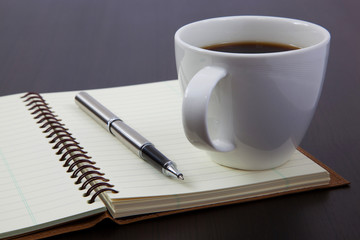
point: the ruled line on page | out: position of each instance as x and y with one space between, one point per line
18 188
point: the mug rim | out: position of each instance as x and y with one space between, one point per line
178 39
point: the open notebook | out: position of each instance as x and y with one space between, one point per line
37 191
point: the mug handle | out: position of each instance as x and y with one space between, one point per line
195 107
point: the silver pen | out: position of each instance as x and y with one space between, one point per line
128 136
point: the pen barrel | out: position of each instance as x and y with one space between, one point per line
108 120
128 136
94 109
154 157
125 134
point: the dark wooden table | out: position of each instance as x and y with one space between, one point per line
58 45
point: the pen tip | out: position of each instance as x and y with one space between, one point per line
180 176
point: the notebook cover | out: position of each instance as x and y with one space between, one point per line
335 181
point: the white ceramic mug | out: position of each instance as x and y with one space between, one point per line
250 111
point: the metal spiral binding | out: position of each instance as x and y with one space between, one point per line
72 154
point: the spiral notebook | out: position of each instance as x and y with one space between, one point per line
60 170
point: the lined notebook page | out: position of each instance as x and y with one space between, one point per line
154 110
35 190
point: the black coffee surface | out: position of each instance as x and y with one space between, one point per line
251 47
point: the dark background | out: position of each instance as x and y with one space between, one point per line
58 45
